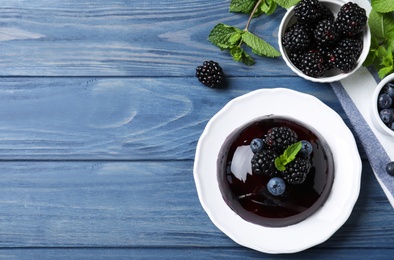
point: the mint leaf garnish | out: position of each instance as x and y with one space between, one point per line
288 156
383 6
259 46
268 7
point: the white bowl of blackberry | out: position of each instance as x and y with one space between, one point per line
324 41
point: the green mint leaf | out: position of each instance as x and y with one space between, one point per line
225 36
383 6
279 165
381 25
242 6
259 46
286 3
370 58
288 156
268 7
385 71
239 54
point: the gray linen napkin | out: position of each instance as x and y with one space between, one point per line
376 154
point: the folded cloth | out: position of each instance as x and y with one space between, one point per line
350 94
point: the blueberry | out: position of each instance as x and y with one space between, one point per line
384 101
389 89
306 148
387 115
257 145
276 186
390 168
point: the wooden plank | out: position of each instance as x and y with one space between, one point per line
123 38
190 253
118 118
141 205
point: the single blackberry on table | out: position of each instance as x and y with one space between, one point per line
263 162
326 33
210 74
312 64
279 138
308 11
296 171
298 37
351 19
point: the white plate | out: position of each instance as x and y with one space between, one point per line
289 103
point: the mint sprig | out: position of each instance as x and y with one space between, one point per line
231 38
288 156
381 24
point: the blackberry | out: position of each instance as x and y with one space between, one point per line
210 74
295 58
326 53
279 138
308 11
326 33
263 162
346 53
297 171
313 64
298 37
351 19
326 14
352 45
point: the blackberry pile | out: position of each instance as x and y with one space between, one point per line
318 42
272 145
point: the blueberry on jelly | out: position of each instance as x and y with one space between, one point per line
384 101
276 186
387 115
306 148
389 89
390 168
256 145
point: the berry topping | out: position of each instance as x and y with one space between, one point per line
210 74
276 186
296 171
279 138
257 144
264 163
390 168
306 148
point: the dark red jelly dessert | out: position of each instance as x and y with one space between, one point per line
250 198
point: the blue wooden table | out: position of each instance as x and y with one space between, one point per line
100 115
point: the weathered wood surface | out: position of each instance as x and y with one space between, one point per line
100 115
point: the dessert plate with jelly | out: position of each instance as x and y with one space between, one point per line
307 215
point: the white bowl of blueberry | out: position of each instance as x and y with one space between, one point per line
383 106
324 41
